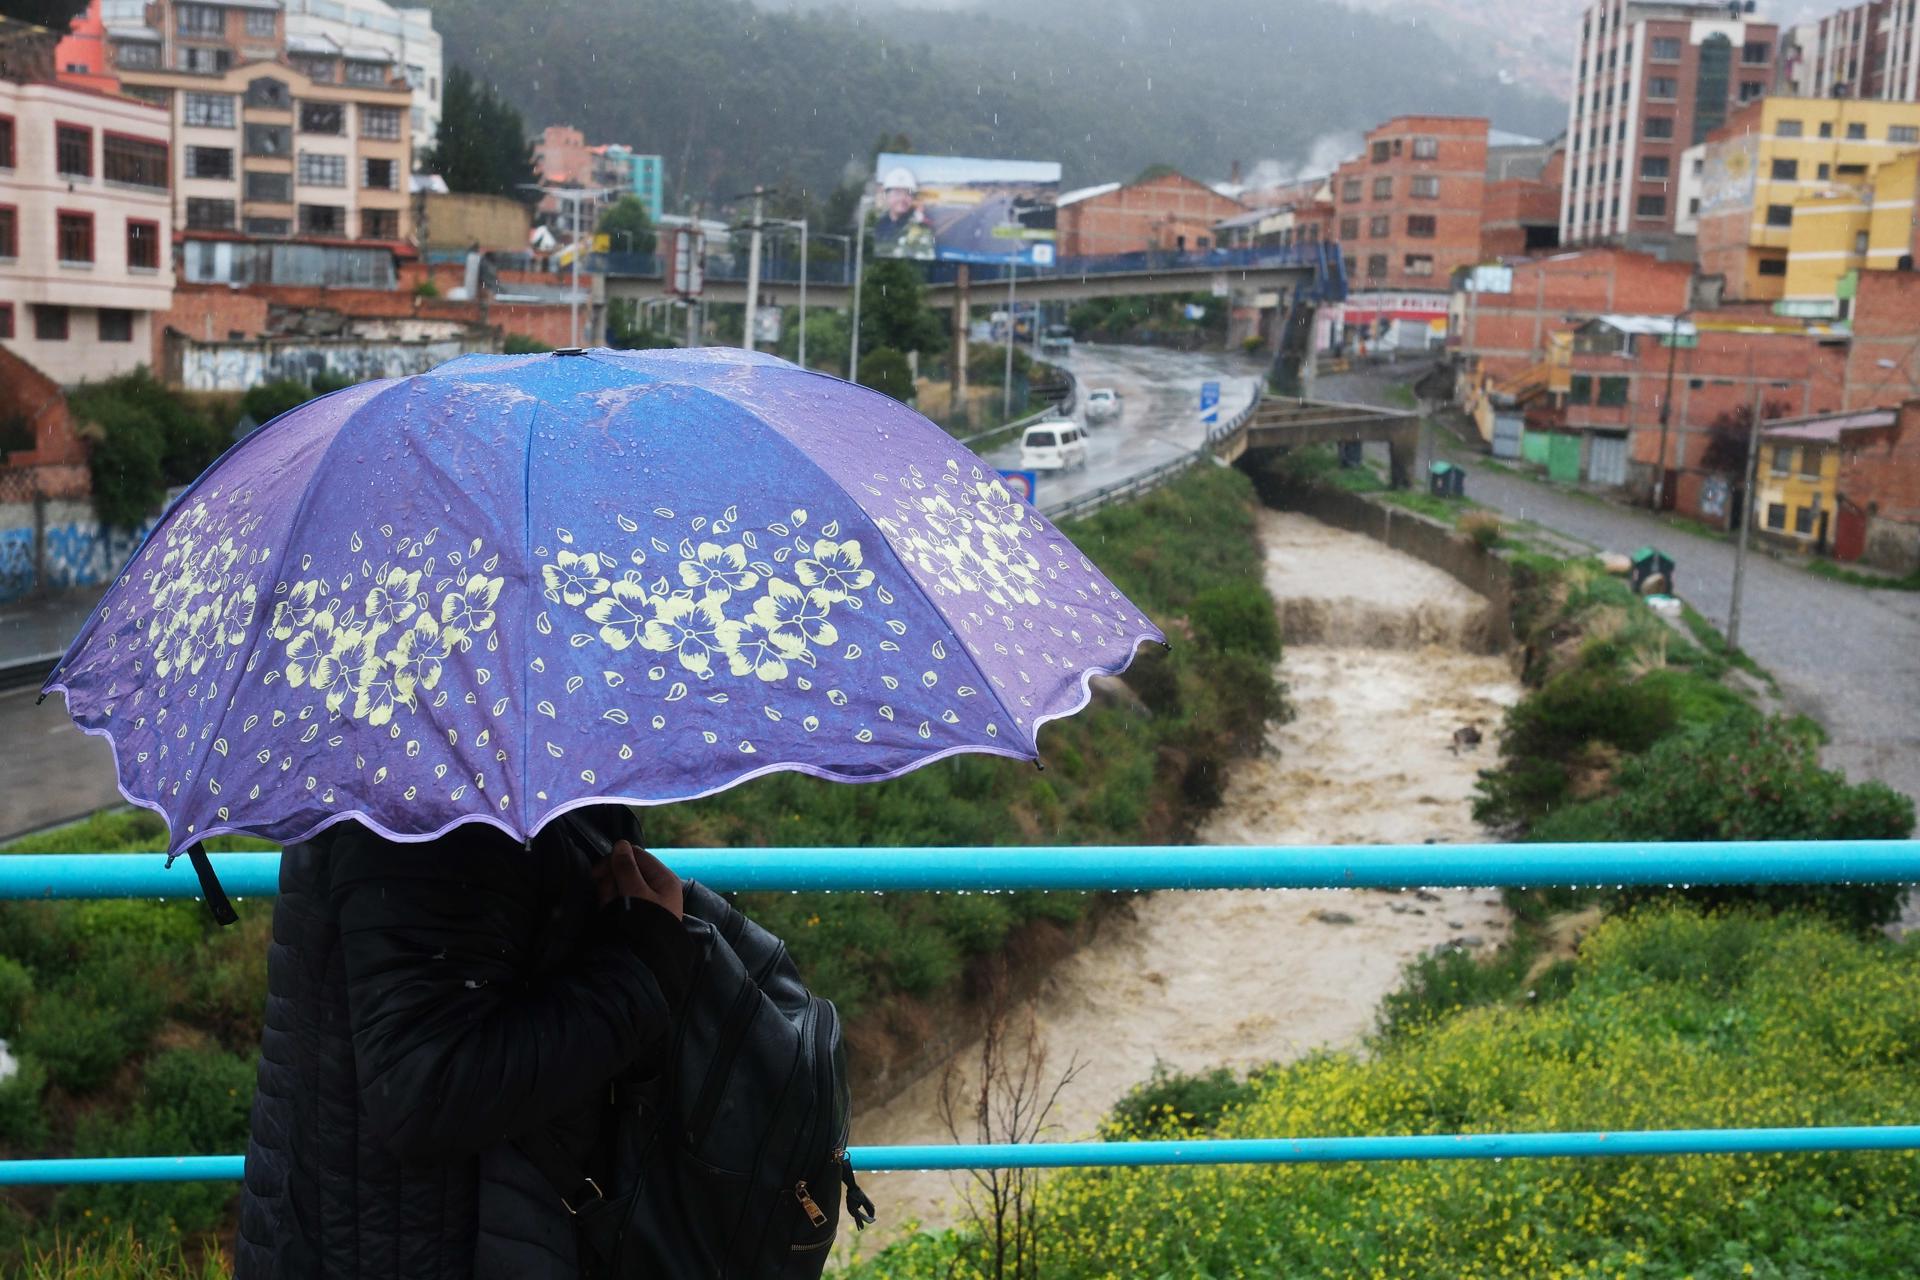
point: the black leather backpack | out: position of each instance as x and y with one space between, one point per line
731 1163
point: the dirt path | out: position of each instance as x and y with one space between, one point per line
1240 978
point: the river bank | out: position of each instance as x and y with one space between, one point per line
1381 672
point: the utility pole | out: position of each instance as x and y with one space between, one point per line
803 293
962 341
575 195
753 268
859 256
1666 413
1747 505
1006 390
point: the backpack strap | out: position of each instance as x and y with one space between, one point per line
210 891
572 1185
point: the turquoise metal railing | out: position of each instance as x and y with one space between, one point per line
26 877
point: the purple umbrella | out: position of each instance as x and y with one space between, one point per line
518 585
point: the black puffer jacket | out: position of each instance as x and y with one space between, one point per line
427 1004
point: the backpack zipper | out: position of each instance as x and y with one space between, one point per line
813 1211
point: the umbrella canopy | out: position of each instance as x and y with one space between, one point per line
517 585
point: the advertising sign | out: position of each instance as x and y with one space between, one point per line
1020 484
959 209
1209 402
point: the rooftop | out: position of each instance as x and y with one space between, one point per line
1829 428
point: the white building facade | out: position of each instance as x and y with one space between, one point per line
370 30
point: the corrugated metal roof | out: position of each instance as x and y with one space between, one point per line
1829 428
1086 193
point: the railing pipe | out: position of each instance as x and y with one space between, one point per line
1124 867
1205 1151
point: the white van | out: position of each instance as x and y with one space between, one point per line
1053 446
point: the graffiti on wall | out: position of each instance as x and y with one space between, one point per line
73 550
236 366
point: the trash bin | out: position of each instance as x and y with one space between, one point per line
1650 563
1350 453
1444 480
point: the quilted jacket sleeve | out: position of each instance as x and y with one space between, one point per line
456 1048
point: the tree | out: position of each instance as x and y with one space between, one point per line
51 14
1157 170
627 227
1727 435
887 371
894 311
482 143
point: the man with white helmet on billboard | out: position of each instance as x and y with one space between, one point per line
902 229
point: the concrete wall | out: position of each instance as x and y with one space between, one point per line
236 366
55 546
1416 535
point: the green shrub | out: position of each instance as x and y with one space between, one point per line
83 1033
1548 735
426 289
519 344
143 438
23 1126
269 400
1436 986
119 1256
1236 619
16 988
887 371
1173 1104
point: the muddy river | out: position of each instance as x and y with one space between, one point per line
1383 663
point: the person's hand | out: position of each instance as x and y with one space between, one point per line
635 873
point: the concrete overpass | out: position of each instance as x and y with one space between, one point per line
1281 424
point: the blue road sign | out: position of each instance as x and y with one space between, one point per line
1209 402
1021 483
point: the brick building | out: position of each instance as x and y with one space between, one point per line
1869 50
1649 81
41 456
1169 213
1522 204
1507 324
1410 205
85 222
1846 483
1883 360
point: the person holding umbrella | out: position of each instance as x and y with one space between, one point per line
439 634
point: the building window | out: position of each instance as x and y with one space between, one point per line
380 224
6 319
1788 129
322 220
1905 133
1751 89
260 24
384 123
322 117
9 231
1826 128
75 237
49 323
269 140
1580 389
1420 226
1773 266
1659 127
1779 215
269 188
368 72
209 215
319 70
1803 520
1376 266
322 170
6 142
135 162
1383 188
1381 151
207 21
416 77
1425 186
1823 172
1380 227
73 150
1782 459
1786 170
1776 515
380 175
136 55
1655 168
1349 187
1856 132
1349 228
269 93
201 61
1810 462
269 226
1426 148
1650 207
1756 53
143 245
116 325
1663 88
1860 243
209 110
1419 264
1664 49
1852 171
210 162
1613 393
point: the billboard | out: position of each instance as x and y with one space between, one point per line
959 209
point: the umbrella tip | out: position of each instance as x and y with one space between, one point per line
42 698
1040 764
570 351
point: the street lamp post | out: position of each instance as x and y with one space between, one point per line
802 224
1666 414
753 268
575 195
859 257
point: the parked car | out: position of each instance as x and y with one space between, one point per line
1102 403
1056 340
1054 445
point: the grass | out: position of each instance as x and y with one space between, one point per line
1401 396
1709 638
1668 1018
1854 578
1446 510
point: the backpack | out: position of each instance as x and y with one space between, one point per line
731 1162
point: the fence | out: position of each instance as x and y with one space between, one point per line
973 869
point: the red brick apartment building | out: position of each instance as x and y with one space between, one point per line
1883 361
1507 331
1410 205
1869 50
1650 80
1170 213
1521 214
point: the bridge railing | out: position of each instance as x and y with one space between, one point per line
993 869
1088 503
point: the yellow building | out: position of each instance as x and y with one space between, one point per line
1798 482
1822 184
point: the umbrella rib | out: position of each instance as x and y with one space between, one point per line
526 823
